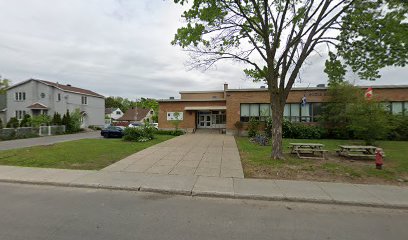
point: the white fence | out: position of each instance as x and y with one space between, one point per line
51 130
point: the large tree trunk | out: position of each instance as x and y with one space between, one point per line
277 120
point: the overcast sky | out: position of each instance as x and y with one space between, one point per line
119 48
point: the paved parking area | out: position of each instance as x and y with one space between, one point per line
212 155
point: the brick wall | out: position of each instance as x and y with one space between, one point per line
189 117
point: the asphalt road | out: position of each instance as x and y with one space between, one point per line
30 142
44 212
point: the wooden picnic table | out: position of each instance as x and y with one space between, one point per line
308 148
356 151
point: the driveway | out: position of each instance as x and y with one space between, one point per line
30 142
214 155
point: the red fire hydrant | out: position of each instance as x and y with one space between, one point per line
379 158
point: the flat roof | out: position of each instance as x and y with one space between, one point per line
192 100
215 91
314 88
207 108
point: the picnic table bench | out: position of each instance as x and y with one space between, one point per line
308 148
356 151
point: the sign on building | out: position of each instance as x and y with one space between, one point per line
174 116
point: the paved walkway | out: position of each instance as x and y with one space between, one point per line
281 190
211 155
38 141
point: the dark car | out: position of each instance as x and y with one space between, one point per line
112 131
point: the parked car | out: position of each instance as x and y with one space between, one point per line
112 131
135 125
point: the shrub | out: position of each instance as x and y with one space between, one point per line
398 127
268 127
40 120
138 134
26 122
253 126
56 119
12 123
302 131
169 132
1 124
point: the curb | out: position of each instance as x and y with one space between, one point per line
209 194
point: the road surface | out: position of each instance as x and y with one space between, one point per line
45 212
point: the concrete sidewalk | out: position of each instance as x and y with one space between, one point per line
210 155
278 190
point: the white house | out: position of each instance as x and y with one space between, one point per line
35 97
113 113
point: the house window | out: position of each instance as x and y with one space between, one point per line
84 100
20 114
42 95
20 96
118 112
59 97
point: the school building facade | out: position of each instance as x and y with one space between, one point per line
222 109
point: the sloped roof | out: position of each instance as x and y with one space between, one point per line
65 88
134 114
109 110
37 106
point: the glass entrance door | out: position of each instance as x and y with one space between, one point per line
204 120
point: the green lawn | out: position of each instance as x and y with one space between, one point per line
90 154
257 163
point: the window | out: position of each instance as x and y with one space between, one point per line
118 112
59 97
245 112
20 96
84 100
42 95
20 114
296 112
255 110
396 107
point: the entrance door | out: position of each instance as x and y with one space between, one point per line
204 120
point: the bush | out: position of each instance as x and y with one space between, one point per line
169 132
26 122
40 120
253 127
268 127
56 119
398 128
302 131
138 134
1 124
12 123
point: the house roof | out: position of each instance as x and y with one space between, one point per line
37 106
134 114
65 88
109 110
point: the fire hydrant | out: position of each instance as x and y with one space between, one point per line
379 158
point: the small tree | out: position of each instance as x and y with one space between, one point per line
368 121
66 120
1 124
26 122
12 123
253 127
335 116
56 119
75 121
40 120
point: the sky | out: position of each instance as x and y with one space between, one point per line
121 48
